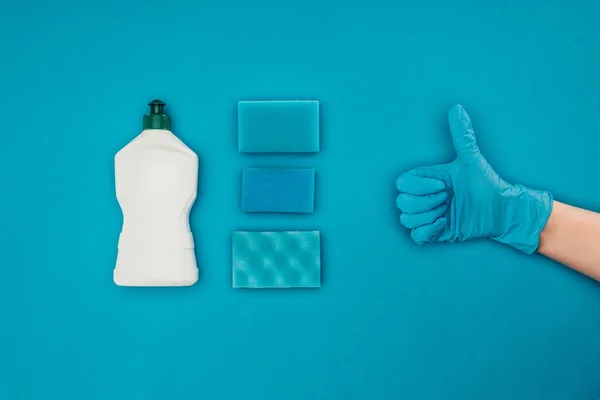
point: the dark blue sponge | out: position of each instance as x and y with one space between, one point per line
278 190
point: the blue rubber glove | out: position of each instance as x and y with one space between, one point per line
466 199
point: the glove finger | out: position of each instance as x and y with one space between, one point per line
421 181
430 232
411 204
412 221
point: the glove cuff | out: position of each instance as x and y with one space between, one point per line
527 216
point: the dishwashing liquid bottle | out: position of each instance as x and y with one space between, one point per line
156 180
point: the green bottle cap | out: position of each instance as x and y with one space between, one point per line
157 119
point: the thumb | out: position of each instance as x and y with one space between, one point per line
462 132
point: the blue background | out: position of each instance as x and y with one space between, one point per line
393 320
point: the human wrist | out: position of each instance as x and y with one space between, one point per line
548 232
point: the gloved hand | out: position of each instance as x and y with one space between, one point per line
466 199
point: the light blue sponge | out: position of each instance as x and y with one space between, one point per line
276 259
278 126
279 190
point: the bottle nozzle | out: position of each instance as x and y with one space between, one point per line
156 107
157 119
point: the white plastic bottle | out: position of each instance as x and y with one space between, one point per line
156 179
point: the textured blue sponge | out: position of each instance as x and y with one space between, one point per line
276 259
278 126
280 190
